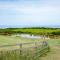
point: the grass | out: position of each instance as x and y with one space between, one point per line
14 40
11 40
6 40
27 54
54 53
53 43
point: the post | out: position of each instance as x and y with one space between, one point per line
36 51
20 51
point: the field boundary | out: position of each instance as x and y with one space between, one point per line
28 53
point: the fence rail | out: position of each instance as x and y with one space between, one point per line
20 44
32 52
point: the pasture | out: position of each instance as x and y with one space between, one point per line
8 40
30 49
54 53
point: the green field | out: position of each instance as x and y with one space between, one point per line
16 39
12 40
9 53
35 31
6 40
54 53
53 43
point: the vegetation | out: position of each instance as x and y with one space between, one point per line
25 53
33 30
54 53
7 38
13 52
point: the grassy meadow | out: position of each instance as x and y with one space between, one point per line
54 53
29 51
7 37
6 40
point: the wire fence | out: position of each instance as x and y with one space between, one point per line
26 51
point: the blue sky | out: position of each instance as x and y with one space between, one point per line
30 12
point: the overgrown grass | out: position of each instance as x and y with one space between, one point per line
14 55
11 53
24 54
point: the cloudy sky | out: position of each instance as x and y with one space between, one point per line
30 12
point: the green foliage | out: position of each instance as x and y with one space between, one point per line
56 33
33 30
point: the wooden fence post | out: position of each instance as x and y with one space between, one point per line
20 49
36 53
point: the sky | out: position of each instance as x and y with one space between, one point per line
27 13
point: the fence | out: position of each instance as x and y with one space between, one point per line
32 51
